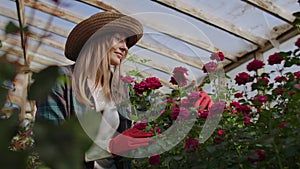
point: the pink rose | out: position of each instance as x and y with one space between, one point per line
194 96
221 132
179 77
128 79
219 56
210 67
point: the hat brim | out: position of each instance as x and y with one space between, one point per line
104 22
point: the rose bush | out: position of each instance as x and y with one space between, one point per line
259 128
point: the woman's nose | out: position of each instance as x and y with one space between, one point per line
123 47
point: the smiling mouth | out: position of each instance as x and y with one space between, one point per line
120 55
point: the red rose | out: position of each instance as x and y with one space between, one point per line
140 126
153 83
280 79
234 104
298 43
261 156
238 95
279 90
275 59
264 80
255 65
247 120
191 145
297 74
210 67
282 125
140 87
203 114
262 99
154 159
243 78
221 132
243 109
180 113
219 56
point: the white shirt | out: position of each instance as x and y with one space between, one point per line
107 127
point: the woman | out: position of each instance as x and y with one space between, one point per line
98 45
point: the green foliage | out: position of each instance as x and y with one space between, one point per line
43 83
7 73
61 147
9 159
11 28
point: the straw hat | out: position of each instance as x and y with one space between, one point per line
105 22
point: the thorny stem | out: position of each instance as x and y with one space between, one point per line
239 154
277 156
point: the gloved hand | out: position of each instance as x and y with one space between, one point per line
136 133
129 140
204 102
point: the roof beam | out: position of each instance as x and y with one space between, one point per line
171 54
39 23
287 35
158 27
212 20
10 46
70 17
275 10
152 25
53 10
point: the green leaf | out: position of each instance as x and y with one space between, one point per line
3 96
11 28
61 146
7 70
211 149
43 83
10 159
0 44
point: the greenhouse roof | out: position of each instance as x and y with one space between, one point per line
177 32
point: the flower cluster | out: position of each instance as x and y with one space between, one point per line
258 128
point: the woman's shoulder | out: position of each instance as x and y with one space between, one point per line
66 70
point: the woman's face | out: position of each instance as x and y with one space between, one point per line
119 49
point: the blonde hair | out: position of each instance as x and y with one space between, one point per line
93 64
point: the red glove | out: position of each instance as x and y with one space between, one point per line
125 141
204 102
136 133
